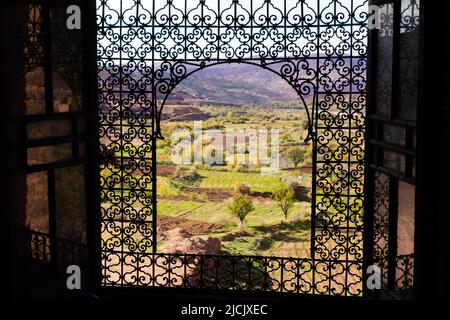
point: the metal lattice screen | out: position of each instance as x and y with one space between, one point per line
145 48
392 159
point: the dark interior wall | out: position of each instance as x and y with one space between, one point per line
45 125
433 207
13 93
444 230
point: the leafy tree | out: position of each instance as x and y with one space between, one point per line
296 155
241 206
285 198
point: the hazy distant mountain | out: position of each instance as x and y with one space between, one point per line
244 84
233 84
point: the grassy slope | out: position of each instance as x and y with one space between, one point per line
222 179
266 221
284 237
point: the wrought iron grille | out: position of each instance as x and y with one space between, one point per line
145 48
392 144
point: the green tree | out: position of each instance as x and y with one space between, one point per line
241 206
296 155
285 198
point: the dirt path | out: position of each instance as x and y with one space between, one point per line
213 194
192 226
301 169
165 170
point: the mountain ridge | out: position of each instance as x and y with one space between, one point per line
233 84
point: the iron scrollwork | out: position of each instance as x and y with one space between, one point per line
146 48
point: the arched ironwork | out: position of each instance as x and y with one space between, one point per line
296 73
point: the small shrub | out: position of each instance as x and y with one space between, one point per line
192 196
204 196
241 188
182 178
262 243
